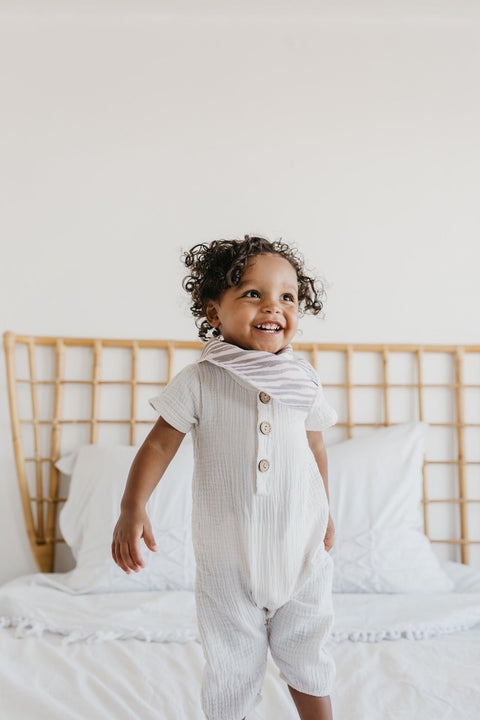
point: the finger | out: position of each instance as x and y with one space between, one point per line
116 554
132 553
134 548
120 560
149 539
127 561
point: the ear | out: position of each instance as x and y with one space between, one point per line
211 313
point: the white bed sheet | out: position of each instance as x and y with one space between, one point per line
51 675
41 679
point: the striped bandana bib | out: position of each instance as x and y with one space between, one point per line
287 378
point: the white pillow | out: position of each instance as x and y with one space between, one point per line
87 519
375 489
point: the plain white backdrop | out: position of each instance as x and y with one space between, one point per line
131 131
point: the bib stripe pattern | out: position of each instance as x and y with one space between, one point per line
287 378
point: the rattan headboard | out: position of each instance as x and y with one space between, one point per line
451 481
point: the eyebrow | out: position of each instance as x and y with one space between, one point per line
250 282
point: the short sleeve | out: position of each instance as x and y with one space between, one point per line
322 415
179 401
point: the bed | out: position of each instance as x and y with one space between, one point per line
80 639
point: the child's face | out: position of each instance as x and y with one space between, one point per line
266 293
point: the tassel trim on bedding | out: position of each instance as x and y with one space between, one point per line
31 627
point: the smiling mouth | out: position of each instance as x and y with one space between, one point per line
268 328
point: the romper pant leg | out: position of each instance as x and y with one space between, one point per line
299 630
234 640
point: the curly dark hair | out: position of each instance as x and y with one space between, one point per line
220 265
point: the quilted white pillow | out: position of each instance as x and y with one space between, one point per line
375 489
87 519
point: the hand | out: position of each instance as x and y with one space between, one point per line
329 534
132 525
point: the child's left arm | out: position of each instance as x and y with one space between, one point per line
317 446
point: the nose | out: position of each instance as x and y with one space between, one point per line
270 308
270 305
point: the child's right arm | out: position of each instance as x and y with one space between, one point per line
147 468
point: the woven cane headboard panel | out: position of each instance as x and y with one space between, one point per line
64 392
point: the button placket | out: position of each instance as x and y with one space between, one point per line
264 444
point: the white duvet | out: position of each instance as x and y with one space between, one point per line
37 603
79 656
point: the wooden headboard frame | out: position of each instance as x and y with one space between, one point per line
40 506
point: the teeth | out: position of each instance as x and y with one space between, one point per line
268 326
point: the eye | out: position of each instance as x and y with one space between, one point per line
252 291
289 295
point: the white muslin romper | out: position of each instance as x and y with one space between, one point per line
259 517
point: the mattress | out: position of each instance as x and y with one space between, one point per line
137 655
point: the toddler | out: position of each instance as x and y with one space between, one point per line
261 526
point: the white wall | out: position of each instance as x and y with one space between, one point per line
129 135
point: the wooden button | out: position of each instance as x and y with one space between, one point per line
263 465
264 397
265 427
